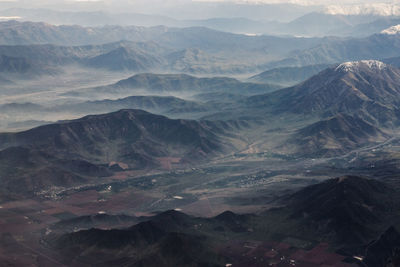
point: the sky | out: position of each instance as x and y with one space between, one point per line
185 9
175 2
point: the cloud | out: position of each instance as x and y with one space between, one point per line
303 2
10 18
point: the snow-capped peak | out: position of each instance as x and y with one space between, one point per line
377 9
356 65
392 30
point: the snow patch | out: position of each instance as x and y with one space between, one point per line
377 9
392 30
356 65
10 17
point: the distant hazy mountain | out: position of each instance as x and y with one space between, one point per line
20 107
94 18
377 46
125 58
182 84
310 24
322 24
192 50
394 61
219 97
20 33
288 75
196 61
172 16
15 64
154 104
4 80
164 105
100 18
24 66
118 56
121 56
374 27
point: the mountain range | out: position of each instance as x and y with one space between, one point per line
151 83
181 49
343 107
200 142
346 209
314 23
368 88
73 152
334 50
194 49
337 135
288 75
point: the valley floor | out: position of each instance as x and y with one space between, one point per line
205 191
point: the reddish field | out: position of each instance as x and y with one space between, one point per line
168 163
255 254
23 222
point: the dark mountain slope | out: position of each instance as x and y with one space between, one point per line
93 221
348 212
26 172
75 152
343 209
336 135
385 251
371 89
117 135
344 107
167 239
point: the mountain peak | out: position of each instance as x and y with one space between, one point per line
392 30
353 66
346 205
